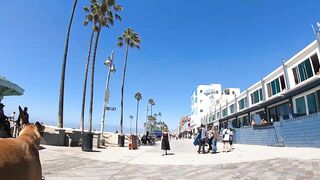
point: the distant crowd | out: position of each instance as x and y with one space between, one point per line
210 137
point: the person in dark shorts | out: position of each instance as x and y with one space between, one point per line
165 145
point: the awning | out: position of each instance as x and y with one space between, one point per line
8 88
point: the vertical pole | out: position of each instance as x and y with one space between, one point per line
105 102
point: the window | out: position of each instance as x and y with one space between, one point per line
269 90
243 121
201 110
218 115
318 99
224 112
200 91
231 108
242 103
283 84
301 106
283 110
312 104
315 63
304 70
256 96
276 86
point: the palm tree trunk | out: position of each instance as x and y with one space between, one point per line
92 78
63 72
85 83
137 117
122 89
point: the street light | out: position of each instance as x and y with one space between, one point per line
147 110
210 93
111 69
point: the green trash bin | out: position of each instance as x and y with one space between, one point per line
87 141
121 140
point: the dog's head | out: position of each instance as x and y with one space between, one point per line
35 131
40 128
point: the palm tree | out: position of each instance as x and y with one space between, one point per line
160 114
130 117
138 97
152 103
63 71
131 39
102 13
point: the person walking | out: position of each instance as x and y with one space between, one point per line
202 139
165 145
226 140
210 139
230 138
214 140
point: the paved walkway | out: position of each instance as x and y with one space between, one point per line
244 162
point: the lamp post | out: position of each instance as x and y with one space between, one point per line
317 32
210 93
147 110
111 69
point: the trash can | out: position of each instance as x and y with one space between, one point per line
134 141
121 140
87 141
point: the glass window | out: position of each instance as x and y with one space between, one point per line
277 84
312 104
295 75
315 63
260 94
283 84
231 108
274 87
305 70
318 99
284 110
273 114
301 106
224 112
243 121
269 90
241 103
256 96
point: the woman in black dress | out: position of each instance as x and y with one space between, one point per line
165 141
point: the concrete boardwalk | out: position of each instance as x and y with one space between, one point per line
244 162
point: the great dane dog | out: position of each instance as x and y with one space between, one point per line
19 157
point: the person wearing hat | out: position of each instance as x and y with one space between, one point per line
4 123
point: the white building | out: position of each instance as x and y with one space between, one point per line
205 100
290 90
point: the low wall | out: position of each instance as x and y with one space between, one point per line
65 137
296 132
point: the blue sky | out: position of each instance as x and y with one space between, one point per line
184 44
